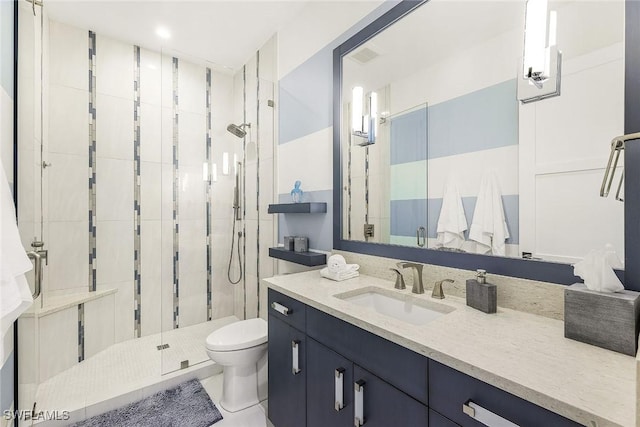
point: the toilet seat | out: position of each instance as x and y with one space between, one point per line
238 336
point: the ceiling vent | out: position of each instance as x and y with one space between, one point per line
364 55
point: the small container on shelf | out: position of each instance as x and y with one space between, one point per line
289 242
301 244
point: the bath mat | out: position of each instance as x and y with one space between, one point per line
188 404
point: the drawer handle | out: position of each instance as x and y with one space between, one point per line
339 393
358 419
285 311
485 416
295 360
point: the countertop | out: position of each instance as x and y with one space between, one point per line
521 353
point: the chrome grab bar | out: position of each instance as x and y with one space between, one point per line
37 257
617 145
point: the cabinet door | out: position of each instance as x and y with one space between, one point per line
330 391
287 375
384 405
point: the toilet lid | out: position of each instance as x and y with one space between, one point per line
238 335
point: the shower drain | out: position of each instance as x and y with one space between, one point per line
163 346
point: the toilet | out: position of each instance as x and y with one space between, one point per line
238 347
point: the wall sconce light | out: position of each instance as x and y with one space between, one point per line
364 115
542 61
214 172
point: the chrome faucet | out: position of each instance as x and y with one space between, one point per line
418 286
437 289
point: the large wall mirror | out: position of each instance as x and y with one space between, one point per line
436 148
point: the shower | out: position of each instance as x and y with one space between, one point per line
238 130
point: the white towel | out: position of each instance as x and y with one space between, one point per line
336 264
488 227
339 277
15 295
452 221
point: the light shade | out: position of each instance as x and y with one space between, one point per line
535 38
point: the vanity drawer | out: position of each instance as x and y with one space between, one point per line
287 309
449 390
400 367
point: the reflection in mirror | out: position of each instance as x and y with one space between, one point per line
439 142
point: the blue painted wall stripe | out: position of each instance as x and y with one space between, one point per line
6 383
407 216
480 120
408 137
317 227
306 92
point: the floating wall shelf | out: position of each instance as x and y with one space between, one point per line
310 259
286 208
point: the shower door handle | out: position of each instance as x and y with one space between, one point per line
37 257
421 236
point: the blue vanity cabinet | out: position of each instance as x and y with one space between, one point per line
287 374
451 392
330 387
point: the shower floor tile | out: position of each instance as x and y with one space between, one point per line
129 371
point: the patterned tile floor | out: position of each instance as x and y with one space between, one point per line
129 371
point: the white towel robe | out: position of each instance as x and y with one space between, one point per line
489 227
452 221
15 295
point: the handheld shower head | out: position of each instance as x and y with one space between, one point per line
238 130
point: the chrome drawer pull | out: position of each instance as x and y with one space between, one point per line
285 311
358 419
339 392
295 360
485 416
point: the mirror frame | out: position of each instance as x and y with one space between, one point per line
545 271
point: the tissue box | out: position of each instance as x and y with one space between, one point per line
607 320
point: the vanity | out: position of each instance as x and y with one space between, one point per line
336 361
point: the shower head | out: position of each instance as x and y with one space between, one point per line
238 130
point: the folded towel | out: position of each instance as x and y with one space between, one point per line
338 277
337 264
489 228
452 221
15 295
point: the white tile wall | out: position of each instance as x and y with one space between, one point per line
69 120
68 187
150 77
68 254
115 251
58 342
114 189
193 297
151 128
123 310
98 324
150 191
114 127
69 56
192 86
192 247
192 137
192 193
151 270
114 68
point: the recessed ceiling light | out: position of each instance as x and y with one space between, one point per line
163 33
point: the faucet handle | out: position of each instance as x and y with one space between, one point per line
437 289
399 279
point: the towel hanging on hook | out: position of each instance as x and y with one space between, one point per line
617 146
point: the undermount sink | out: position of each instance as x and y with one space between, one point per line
403 307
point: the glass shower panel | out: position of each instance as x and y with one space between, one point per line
30 188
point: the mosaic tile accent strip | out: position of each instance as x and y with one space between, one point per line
92 163
80 332
176 189
349 189
208 198
137 279
366 188
258 182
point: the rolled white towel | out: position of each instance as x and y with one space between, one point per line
339 277
337 264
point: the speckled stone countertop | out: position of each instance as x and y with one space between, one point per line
521 353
